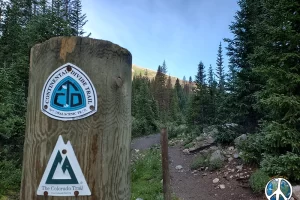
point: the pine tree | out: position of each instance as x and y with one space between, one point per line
178 87
144 107
210 77
186 89
3 11
200 77
231 79
174 112
12 115
11 39
28 10
57 8
190 85
67 8
41 7
227 105
220 69
164 68
277 61
239 48
182 98
199 106
160 94
168 94
77 18
212 104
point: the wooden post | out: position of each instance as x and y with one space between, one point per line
165 164
101 142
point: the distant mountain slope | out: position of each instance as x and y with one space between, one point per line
137 70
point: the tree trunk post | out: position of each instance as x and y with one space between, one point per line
101 141
165 164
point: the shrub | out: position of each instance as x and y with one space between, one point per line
226 134
258 181
142 127
174 130
284 165
194 131
10 177
200 161
275 148
216 164
252 148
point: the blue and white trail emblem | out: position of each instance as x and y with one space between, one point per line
68 94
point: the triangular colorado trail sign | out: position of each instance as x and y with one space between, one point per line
63 175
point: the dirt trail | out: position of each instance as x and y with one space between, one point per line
192 185
145 142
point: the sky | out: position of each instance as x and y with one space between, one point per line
181 32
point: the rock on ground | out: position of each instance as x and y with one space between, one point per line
216 180
222 186
186 151
239 139
239 167
206 142
236 155
230 148
216 156
178 167
210 131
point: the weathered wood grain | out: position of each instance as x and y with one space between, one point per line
102 141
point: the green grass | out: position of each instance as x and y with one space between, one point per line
146 176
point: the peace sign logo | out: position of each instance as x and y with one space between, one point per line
278 189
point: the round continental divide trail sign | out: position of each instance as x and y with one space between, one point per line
68 94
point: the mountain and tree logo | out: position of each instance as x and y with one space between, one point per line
66 177
63 175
